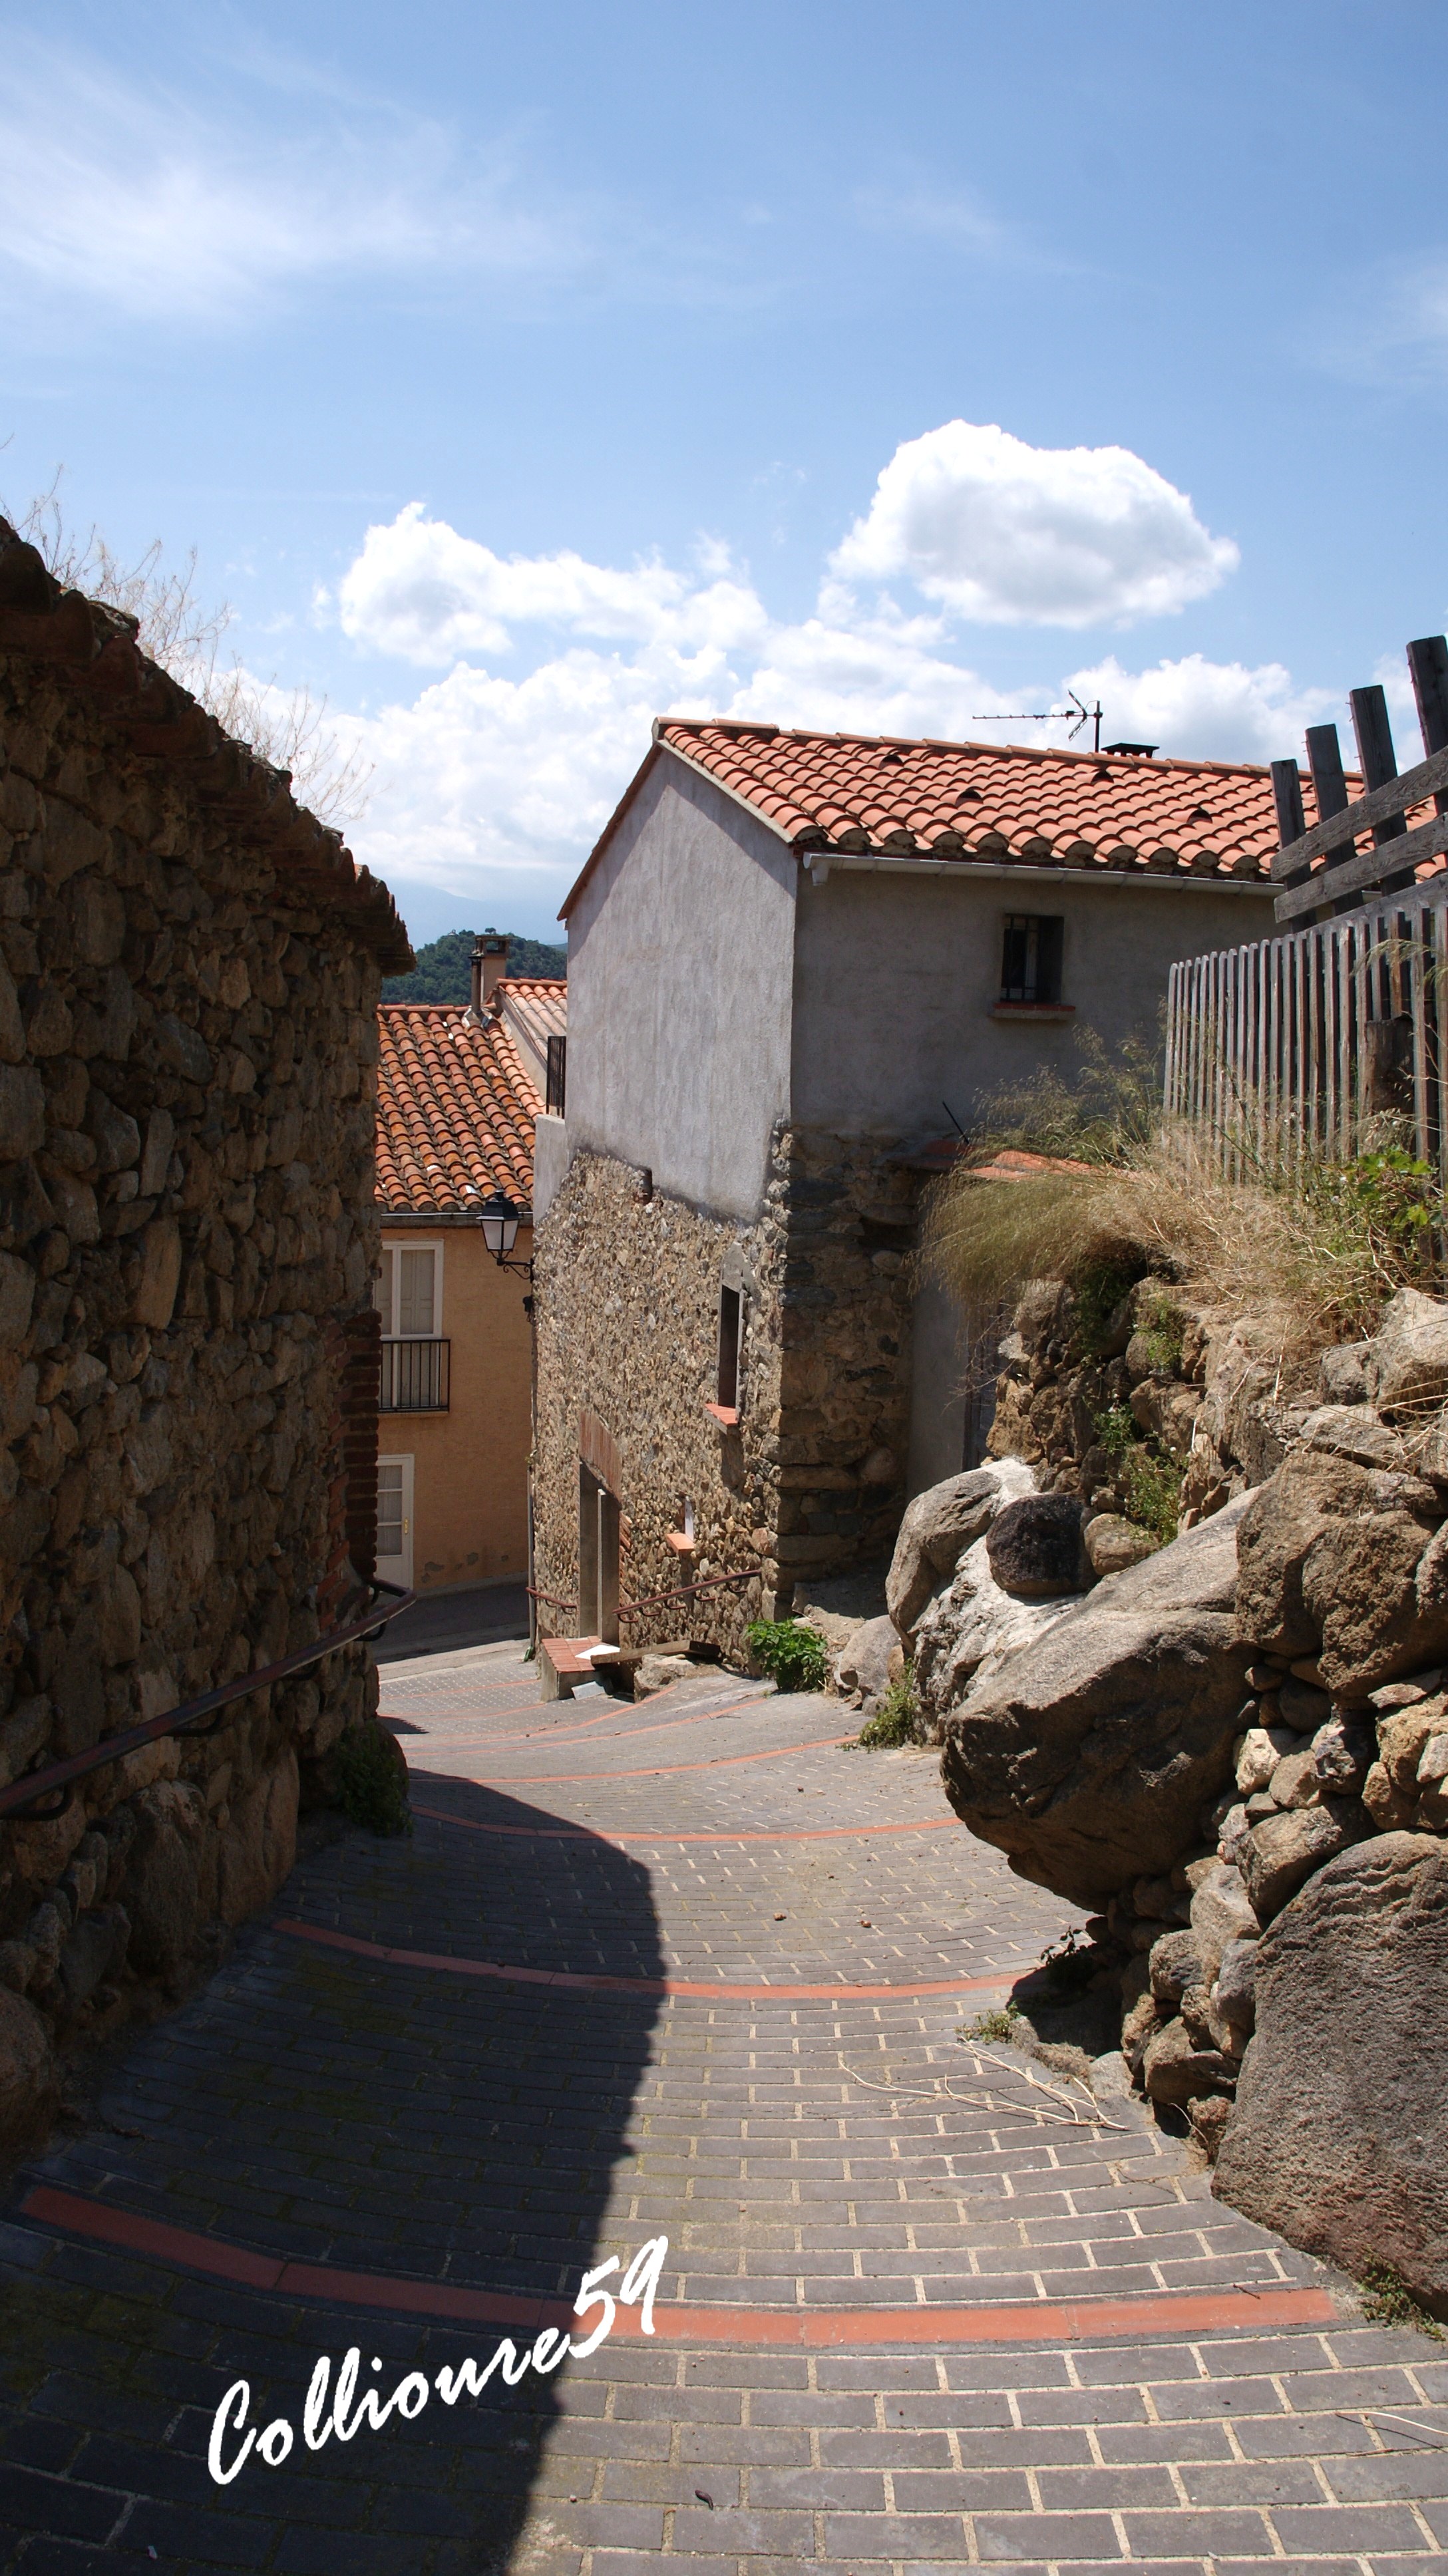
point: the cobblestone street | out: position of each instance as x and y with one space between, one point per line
689 1969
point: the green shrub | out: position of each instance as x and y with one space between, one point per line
1163 1330
1152 1480
894 1719
794 1655
369 1778
1099 1289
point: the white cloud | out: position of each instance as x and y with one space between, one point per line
493 786
1200 710
421 592
135 198
1011 534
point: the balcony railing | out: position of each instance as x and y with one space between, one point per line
416 1375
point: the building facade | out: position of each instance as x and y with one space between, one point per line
794 961
459 1088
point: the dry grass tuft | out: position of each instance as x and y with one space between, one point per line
1312 1244
286 727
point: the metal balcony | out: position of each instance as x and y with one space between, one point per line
416 1375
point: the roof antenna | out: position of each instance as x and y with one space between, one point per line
1056 715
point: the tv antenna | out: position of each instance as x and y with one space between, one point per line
1084 715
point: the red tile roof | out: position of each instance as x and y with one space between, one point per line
455 1110
884 795
997 801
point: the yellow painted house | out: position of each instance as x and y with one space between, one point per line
458 1090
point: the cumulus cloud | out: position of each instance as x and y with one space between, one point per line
140 200
423 593
1201 710
492 785
1009 534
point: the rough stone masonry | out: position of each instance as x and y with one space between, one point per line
189 971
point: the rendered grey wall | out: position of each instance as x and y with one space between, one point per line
680 968
896 978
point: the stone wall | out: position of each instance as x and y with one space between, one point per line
811 1478
1233 1750
1163 1406
189 969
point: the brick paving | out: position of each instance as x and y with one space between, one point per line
911 2316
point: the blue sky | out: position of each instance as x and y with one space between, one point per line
517 375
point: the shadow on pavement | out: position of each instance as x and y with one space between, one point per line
333 2109
485 1615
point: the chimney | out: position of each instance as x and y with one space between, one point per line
489 962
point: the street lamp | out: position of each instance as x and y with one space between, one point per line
500 1220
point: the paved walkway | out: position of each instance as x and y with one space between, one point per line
690 1970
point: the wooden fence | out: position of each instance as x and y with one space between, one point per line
1299 1039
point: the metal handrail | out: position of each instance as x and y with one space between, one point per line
652 1600
21 1799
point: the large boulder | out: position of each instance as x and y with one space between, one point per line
937 1529
1337 2139
1091 1754
1034 1547
968 1630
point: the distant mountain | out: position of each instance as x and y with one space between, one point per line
443 972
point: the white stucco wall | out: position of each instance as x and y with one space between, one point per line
680 971
550 1162
896 978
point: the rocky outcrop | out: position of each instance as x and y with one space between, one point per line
1337 2138
937 1529
1089 1755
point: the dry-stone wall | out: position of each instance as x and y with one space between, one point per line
811 1478
1234 1751
189 970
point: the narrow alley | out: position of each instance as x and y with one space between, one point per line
689 1969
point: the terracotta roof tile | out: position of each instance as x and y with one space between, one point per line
455 1109
881 794
995 801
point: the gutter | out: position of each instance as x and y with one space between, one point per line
822 864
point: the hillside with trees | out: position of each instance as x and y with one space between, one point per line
444 967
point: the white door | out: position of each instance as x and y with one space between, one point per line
394 1520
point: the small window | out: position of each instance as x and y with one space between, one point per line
408 1284
556 1102
729 1347
1031 960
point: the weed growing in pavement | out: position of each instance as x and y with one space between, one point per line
370 1779
1000 2024
794 1655
1388 2301
894 1719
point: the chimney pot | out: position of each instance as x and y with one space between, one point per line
489 965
